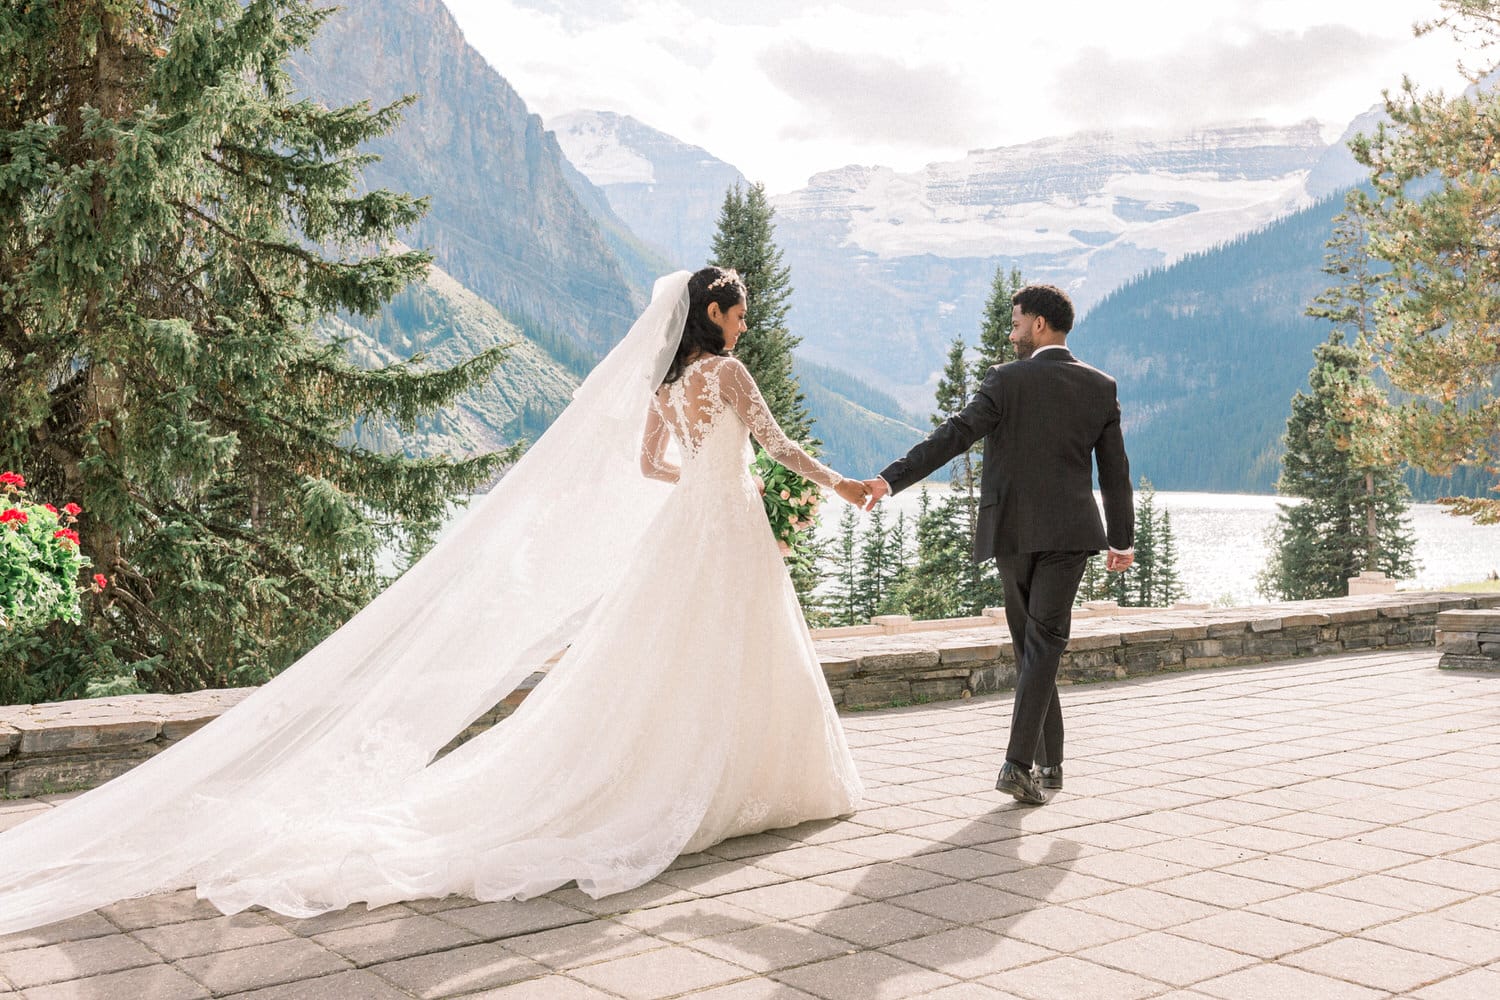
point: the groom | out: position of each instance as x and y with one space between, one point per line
1045 418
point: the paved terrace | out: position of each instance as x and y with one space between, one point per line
1324 828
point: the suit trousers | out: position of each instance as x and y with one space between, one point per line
1039 592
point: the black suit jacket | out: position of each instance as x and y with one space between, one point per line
1045 421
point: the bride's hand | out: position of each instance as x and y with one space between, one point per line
852 491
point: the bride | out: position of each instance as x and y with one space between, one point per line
688 707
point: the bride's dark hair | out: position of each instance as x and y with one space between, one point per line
701 335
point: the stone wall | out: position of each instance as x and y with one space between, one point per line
1469 639
64 745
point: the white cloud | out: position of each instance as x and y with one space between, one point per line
782 89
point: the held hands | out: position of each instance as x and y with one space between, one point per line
852 491
878 489
1118 562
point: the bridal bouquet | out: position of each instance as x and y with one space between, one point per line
39 560
791 505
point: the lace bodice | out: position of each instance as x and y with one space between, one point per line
695 410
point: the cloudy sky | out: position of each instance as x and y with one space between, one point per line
785 88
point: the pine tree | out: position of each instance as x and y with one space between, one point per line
746 241
1168 583
1435 220
1097 583
878 567
995 347
931 588
174 221
842 605
1353 516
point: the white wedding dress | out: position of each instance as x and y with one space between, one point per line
688 707
692 708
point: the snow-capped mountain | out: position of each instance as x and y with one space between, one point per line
665 190
890 267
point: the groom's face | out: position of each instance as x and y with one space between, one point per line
1023 331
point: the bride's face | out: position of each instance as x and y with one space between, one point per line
731 321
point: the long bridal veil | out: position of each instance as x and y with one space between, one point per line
377 700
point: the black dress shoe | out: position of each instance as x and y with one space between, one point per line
1020 786
1048 777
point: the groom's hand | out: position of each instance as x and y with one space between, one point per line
1118 562
879 490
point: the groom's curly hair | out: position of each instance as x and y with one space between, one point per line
1047 301
701 335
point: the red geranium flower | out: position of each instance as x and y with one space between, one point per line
13 479
50 507
19 516
66 534
73 509
101 581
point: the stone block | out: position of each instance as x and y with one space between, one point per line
939 689
1137 635
939 675
841 668
1350 615
1420 635
45 775
1186 633
990 679
1302 621
983 653
1203 649
900 662
1201 662
44 735
1469 620
1266 625
874 694
1080 643
1271 647
10 739
1225 629
1146 660
1450 661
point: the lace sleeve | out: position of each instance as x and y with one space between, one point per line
743 396
654 464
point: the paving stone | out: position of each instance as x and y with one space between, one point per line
1062 929
152 982
583 944
1221 888
263 965
357 915
88 925
748 989
881 881
966 902
1281 981
202 937
74 960
1435 935
968 952
792 899
153 911
1176 960
389 940
1327 911
869 975
873 925
693 918
493 921
1374 964
1253 933
772 946
545 988
459 971
1471 985
1146 908
641 977
360 985
1071 978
